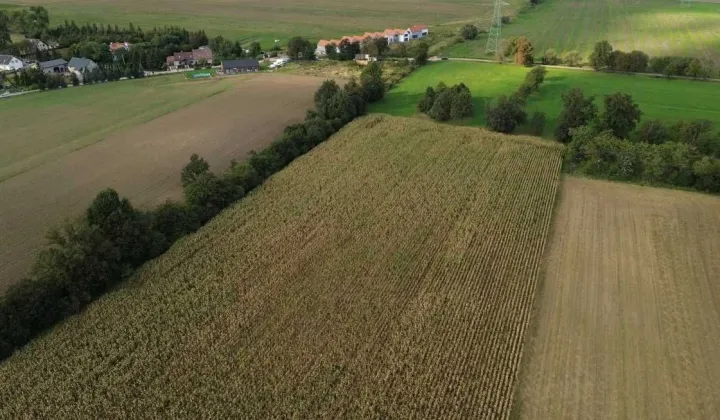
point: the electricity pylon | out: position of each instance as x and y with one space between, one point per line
493 42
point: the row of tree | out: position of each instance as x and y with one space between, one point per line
443 103
601 154
508 113
604 57
86 258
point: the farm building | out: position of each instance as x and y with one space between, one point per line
392 36
58 66
10 63
240 66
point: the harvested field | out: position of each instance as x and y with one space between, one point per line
388 273
144 162
628 325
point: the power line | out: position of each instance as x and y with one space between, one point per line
494 36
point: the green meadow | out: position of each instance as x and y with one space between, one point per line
657 27
670 100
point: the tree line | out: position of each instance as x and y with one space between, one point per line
89 256
507 113
684 154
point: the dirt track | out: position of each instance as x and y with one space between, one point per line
628 320
144 162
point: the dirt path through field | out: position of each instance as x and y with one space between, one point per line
628 325
144 162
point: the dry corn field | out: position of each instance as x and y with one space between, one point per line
628 325
390 273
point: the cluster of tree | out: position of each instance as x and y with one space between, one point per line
301 49
570 58
602 154
469 31
508 113
35 79
224 49
521 49
604 57
444 104
86 258
685 154
31 22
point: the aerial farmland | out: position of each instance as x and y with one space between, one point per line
409 209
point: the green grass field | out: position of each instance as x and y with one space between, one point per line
658 98
264 20
42 126
657 27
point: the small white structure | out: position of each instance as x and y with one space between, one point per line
10 63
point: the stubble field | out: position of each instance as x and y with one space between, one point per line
657 27
389 273
628 320
141 161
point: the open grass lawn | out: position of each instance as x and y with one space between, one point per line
266 20
658 98
43 126
658 27
389 273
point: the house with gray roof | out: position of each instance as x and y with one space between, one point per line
58 66
10 63
81 66
240 66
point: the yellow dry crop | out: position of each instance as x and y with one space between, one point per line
389 273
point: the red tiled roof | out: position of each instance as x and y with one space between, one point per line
418 28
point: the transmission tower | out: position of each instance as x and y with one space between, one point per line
493 42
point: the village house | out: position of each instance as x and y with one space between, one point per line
115 46
186 59
240 66
10 63
40 45
80 66
392 36
58 66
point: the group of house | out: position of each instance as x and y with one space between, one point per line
204 56
58 66
76 65
392 36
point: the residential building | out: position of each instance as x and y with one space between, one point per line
10 63
392 36
38 44
185 59
58 66
79 66
240 66
364 59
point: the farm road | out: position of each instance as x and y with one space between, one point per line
144 162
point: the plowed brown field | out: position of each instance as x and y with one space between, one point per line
144 162
628 324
